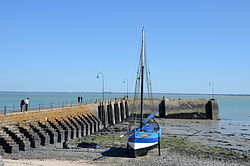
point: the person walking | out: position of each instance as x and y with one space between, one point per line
21 105
26 102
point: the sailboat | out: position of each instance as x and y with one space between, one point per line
144 134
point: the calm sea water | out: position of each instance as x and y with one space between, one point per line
235 108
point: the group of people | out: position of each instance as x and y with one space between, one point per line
80 99
24 104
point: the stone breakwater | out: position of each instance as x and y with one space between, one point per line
29 130
189 109
179 108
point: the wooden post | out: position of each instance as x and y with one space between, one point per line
159 145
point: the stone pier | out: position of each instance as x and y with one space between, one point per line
33 129
189 109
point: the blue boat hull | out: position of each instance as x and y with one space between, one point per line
142 140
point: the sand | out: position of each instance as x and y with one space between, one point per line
8 162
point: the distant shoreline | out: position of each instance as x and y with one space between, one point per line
197 94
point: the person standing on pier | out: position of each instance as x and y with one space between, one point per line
21 105
81 99
26 101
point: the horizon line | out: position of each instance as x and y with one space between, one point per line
170 93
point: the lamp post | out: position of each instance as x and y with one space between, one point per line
102 84
124 81
212 84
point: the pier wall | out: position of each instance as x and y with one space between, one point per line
32 129
189 109
179 108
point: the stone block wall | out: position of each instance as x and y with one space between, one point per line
32 129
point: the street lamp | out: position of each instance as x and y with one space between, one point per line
102 84
124 81
212 84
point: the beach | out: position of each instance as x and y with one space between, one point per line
169 157
184 142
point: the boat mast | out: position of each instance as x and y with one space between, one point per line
142 74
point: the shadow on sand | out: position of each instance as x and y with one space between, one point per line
116 152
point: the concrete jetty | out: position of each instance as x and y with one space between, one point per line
189 109
32 129
177 108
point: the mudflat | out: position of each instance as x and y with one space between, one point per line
225 134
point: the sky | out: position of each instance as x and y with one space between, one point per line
61 45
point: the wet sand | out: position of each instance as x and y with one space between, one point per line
225 134
209 133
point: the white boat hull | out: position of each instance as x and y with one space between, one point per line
137 146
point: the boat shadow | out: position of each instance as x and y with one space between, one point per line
116 152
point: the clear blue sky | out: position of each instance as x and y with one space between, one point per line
61 45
